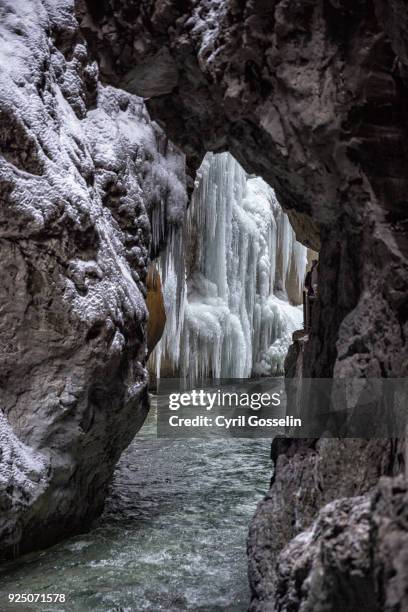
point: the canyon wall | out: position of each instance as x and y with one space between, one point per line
312 97
84 174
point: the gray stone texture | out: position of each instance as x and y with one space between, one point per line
83 170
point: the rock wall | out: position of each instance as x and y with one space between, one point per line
83 172
312 96
353 557
155 306
309 475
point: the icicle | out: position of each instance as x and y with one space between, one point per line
224 318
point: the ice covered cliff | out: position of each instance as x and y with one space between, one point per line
244 272
84 174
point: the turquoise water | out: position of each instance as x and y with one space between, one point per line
172 536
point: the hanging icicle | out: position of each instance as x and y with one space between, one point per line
227 304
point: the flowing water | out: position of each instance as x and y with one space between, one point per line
172 537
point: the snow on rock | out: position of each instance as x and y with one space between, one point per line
23 478
241 258
89 188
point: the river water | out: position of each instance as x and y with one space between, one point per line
172 536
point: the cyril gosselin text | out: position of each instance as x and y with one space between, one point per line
227 410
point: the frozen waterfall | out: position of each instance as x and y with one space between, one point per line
233 312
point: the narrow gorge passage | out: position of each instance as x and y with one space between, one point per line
172 536
169 171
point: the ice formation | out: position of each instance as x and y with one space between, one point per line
237 305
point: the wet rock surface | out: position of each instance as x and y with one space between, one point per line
330 566
308 475
353 556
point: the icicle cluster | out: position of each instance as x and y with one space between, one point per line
232 304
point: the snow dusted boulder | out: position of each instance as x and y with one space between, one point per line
84 174
23 479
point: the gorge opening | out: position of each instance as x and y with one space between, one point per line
230 282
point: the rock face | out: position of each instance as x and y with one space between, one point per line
155 307
84 174
308 475
316 569
312 97
353 557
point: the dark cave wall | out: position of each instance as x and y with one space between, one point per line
312 96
